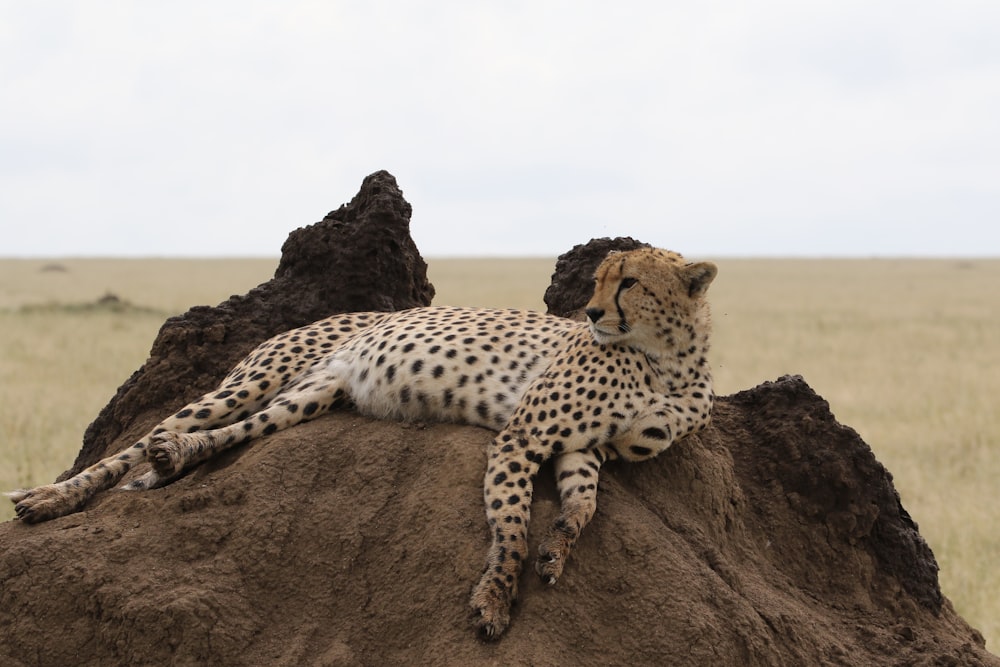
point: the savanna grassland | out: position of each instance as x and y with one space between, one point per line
907 352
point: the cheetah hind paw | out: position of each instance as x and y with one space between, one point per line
42 503
166 455
552 555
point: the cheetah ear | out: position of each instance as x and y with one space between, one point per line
698 277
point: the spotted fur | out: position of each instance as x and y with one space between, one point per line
626 384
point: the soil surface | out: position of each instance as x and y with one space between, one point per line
772 538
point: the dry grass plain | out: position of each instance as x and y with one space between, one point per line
907 352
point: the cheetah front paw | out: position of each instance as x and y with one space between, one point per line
490 603
552 555
43 502
554 551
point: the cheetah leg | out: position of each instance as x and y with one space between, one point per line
224 405
60 498
576 478
171 452
507 492
53 500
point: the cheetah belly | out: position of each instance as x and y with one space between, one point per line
457 396
475 376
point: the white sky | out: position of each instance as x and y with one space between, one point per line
215 128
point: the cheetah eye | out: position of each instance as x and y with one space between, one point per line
628 282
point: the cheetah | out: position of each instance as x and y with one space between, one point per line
625 383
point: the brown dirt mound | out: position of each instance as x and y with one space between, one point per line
773 538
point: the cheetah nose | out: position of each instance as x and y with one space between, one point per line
594 313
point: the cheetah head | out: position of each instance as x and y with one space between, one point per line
650 299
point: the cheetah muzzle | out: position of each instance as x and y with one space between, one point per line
626 384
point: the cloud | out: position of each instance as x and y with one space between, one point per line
724 128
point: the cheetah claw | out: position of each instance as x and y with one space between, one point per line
22 509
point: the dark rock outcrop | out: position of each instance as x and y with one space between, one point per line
830 477
359 257
573 281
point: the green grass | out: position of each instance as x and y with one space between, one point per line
905 351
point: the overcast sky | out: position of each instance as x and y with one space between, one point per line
773 128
